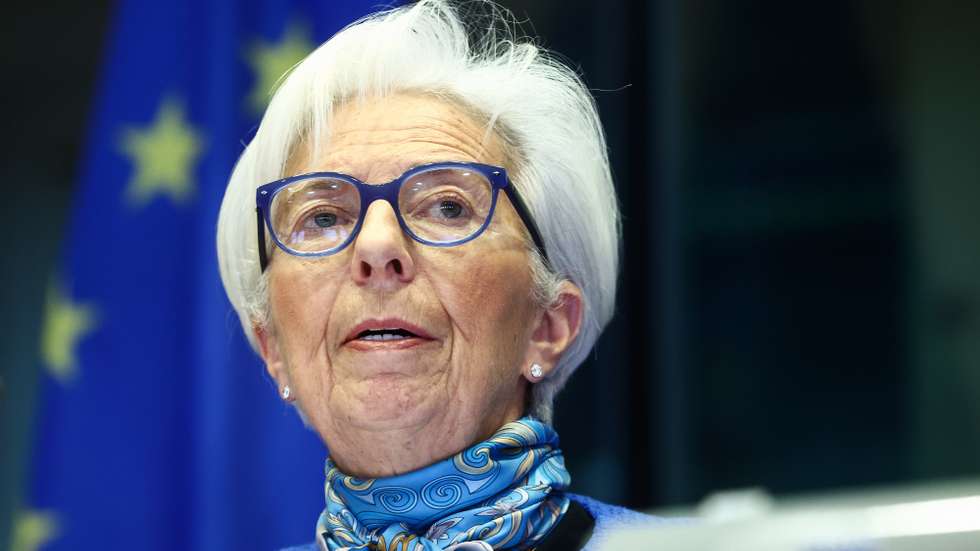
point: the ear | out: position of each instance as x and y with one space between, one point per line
554 331
269 350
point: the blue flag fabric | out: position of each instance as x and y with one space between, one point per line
159 428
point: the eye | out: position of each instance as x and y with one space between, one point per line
325 219
450 209
321 219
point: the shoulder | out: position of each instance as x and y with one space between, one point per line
612 514
610 518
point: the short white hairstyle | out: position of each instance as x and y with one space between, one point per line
533 102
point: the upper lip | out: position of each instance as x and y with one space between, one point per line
386 323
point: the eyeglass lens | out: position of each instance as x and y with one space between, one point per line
441 205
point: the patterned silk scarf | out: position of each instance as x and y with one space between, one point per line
504 493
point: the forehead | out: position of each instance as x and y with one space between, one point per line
377 139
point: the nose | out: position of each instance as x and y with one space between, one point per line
381 257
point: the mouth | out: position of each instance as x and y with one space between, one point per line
387 334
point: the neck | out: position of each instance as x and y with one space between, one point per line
506 491
392 449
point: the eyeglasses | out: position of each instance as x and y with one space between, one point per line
439 204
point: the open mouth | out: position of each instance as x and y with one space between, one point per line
385 335
380 334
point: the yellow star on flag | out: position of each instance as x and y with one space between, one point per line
65 324
32 529
164 155
271 61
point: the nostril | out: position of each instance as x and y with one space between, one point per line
365 269
397 265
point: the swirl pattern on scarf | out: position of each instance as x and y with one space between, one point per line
504 493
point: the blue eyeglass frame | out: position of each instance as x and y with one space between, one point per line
369 193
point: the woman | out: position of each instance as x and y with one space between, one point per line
435 252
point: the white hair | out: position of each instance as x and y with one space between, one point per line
538 107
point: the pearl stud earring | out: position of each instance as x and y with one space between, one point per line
286 393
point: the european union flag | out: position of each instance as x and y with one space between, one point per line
159 428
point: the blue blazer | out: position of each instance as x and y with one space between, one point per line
608 519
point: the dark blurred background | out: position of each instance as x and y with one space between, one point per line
800 290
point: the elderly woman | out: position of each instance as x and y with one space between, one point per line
434 253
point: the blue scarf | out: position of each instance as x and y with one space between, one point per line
504 493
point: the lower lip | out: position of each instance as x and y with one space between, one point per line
362 345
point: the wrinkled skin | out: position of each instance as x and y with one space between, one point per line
388 408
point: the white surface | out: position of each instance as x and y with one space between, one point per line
941 519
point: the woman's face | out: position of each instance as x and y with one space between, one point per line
469 305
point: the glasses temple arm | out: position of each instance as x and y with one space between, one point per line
532 227
260 224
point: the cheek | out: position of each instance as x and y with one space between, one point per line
301 297
485 294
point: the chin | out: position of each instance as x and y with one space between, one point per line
389 401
